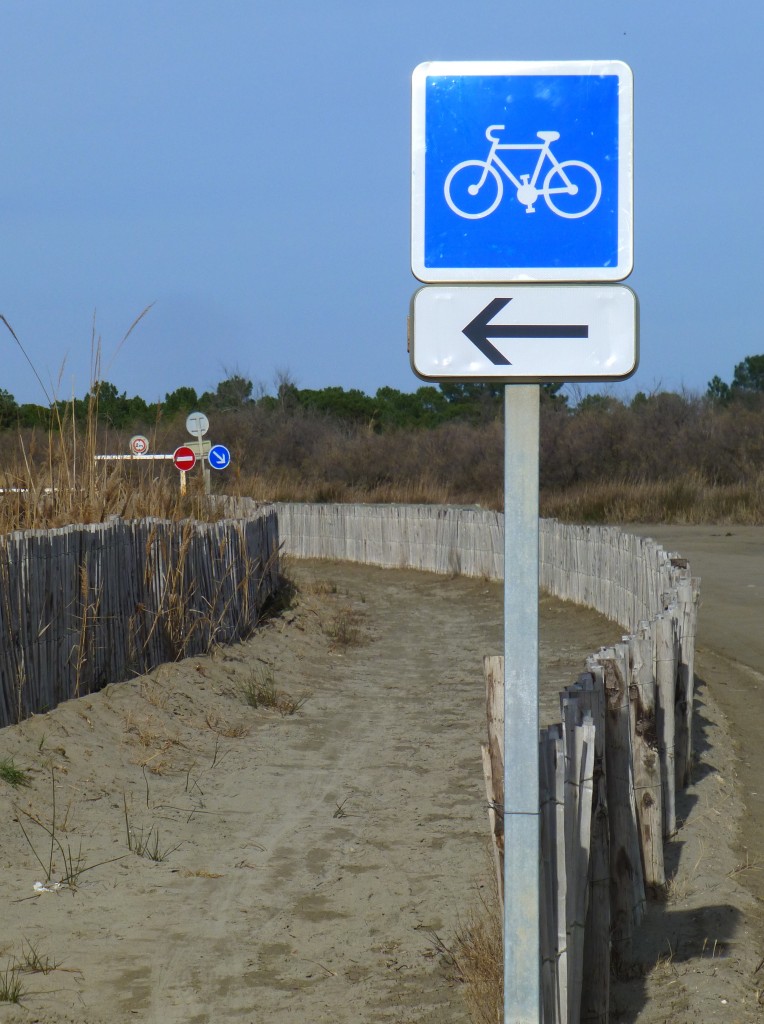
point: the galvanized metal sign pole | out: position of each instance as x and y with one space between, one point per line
521 778
522 180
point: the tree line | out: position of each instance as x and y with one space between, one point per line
388 409
445 439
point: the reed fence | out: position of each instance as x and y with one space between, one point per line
84 606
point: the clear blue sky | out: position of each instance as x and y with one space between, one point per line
245 166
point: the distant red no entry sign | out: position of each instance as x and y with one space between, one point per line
184 458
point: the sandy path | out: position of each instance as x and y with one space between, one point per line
730 562
322 852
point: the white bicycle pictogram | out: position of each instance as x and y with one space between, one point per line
572 178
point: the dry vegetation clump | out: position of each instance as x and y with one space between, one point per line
259 690
662 458
479 958
54 480
689 499
343 627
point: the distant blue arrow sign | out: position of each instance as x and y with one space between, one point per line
219 457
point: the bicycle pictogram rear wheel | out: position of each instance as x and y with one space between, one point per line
473 189
572 189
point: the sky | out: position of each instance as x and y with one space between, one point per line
243 168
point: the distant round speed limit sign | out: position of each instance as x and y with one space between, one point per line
139 445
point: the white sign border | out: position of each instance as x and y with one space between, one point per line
453 275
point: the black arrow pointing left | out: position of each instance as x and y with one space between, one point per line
481 329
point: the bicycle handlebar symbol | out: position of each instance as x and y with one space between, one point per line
480 178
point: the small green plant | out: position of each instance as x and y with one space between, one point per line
35 962
146 843
12 774
259 690
11 989
74 864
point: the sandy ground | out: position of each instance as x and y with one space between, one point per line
309 866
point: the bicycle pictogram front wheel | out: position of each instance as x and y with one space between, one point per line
473 189
575 186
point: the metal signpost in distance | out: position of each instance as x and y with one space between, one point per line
186 456
197 425
522 172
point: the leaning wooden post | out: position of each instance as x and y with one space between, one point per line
666 649
646 758
579 747
687 613
627 893
493 759
595 990
553 877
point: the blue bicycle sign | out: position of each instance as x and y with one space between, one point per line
522 171
571 188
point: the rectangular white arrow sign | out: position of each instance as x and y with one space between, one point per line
527 332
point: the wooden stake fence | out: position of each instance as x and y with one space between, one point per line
610 771
84 606
608 785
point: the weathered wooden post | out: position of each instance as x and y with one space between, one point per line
493 759
595 989
666 656
626 879
647 767
687 590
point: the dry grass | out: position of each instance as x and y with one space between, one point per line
478 953
714 454
154 693
54 479
51 853
319 588
259 690
229 728
156 763
687 499
149 731
59 483
343 628
153 735
295 485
